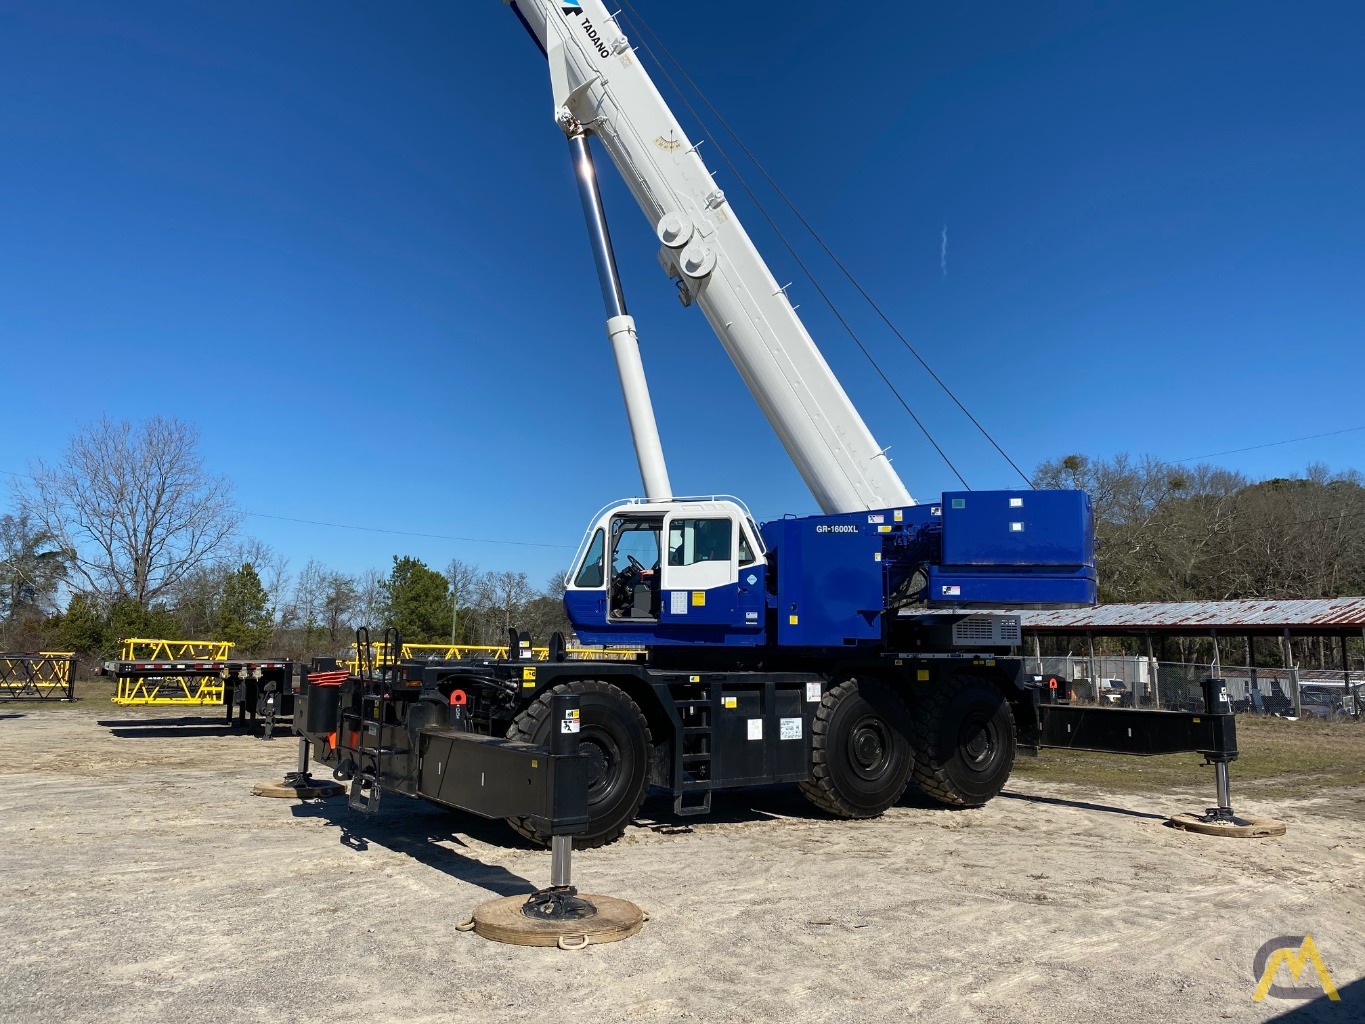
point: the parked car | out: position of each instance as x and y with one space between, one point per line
1321 702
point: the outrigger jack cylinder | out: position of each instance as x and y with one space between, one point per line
558 915
1220 820
299 785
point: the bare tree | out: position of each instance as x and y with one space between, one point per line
308 608
464 586
369 608
32 568
504 594
135 506
338 603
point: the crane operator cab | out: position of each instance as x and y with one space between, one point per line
677 572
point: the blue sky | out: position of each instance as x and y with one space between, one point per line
342 239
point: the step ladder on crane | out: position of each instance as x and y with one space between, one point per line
376 698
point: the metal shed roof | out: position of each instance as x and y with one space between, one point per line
1241 617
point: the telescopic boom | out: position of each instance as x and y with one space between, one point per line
601 89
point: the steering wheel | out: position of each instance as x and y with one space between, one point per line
635 563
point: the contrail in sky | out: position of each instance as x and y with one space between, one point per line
943 252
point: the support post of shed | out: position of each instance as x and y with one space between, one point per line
1293 673
1345 673
1252 684
1155 671
1094 683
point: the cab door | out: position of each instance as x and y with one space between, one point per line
700 570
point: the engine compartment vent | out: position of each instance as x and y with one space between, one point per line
987 631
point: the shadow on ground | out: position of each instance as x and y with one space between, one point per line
1350 1004
415 829
162 728
1084 805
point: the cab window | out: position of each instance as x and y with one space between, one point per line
635 538
590 573
699 540
746 547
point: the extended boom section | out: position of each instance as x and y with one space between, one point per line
599 86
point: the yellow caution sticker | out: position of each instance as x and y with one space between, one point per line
883 529
698 598
730 702
535 763
898 515
694 679
528 672
791 620
922 675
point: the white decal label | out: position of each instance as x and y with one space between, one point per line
791 729
812 693
1016 503
677 602
755 728
952 591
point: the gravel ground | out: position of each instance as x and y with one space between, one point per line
143 883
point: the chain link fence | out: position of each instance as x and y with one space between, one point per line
1134 681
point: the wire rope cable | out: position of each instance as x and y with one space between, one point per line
843 268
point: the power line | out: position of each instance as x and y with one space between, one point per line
409 533
1269 444
778 231
819 241
376 529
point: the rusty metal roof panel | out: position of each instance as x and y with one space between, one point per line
1185 616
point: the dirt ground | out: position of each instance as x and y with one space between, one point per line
143 883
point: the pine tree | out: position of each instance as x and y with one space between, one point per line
418 601
244 617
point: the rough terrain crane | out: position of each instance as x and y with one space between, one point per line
851 651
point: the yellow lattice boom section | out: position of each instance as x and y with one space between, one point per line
171 690
54 668
459 652
41 675
142 649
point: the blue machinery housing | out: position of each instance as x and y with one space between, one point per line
835 581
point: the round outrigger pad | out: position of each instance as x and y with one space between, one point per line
1237 827
504 920
311 790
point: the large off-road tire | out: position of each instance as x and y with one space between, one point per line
964 741
614 735
861 757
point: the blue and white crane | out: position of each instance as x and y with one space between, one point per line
849 651
668 571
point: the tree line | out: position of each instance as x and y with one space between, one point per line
127 535
1166 532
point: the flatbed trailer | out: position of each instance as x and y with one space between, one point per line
472 734
250 688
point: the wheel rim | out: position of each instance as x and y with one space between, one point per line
978 741
869 748
604 764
